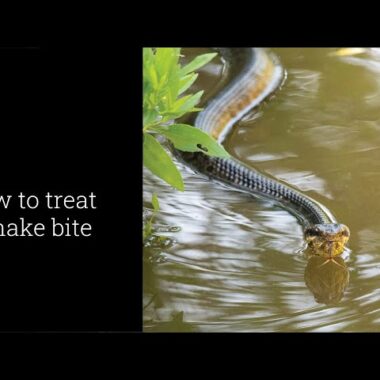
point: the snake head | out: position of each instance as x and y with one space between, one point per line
327 239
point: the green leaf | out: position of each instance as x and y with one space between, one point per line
153 76
166 63
159 162
148 61
184 105
173 85
191 102
197 62
186 82
179 103
148 56
155 203
163 60
191 139
150 116
166 59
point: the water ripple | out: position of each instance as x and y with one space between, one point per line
237 263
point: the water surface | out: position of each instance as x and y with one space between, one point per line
237 263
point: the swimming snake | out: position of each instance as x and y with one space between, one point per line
254 75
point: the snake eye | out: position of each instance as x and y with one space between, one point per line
312 232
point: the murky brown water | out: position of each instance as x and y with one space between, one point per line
237 263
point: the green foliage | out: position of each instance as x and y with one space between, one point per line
164 80
159 162
165 99
164 84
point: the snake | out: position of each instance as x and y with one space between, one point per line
255 74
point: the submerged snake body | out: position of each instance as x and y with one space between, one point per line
256 75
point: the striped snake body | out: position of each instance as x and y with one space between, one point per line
256 74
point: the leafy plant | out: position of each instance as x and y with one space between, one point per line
165 83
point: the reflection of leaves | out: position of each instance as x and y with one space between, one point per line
326 278
154 244
159 242
177 324
155 203
151 231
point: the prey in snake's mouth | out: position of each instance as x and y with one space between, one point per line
327 239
